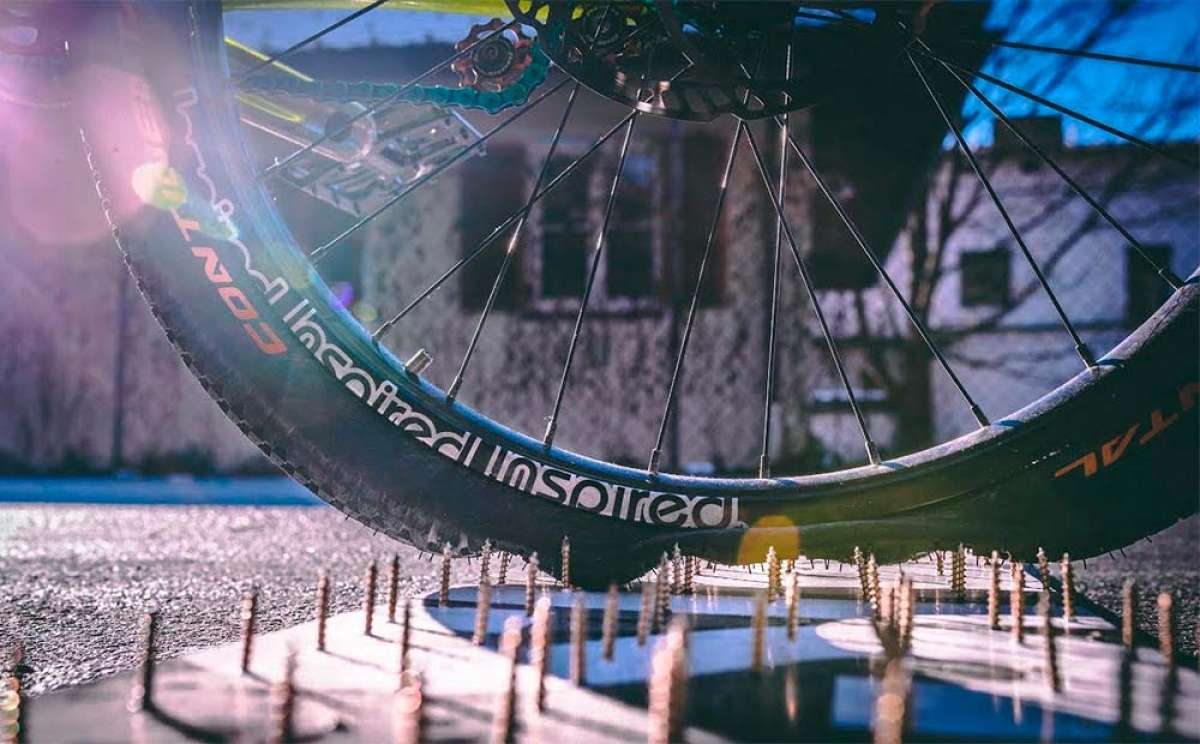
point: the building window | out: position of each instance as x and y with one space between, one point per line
492 188
703 166
1145 290
565 228
629 267
984 277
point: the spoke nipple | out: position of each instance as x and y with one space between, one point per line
668 686
793 605
647 611
503 722
405 638
283 702
322 609
249 619
142 695
393 587
764 466
1017 602
418 362
652 467
1128 613
994 592
1068 589
409 712
483 604
502 578
609 626
539 651
872 453
565 575
531 574
579 639
369 598
1086 355
444 590
758 629
1051 663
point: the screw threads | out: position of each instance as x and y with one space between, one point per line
609 626
485 563
283 703
907 612
994 593
1043 569
774 584
539 653
502 577
1166 627
482 605
1053 681
405 638
662 606
668 686
1128 613
1068 589
579 639
689 574
647 611
758 631
409 712
958 573
369 598
393 590
676 571
322 609
873 585
941 564
863 580
142 695
249 618
1017 602
793 604
12 723
444 589
531 574
503 728
566 561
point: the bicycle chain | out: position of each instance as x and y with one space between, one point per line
343 91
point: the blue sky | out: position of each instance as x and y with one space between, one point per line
1131 98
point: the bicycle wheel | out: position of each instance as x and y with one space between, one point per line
1104 459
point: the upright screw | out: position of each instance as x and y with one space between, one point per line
1068 589
863 579
941 568
662 607
322 609
907 613
444 593
1017 602
12 723
531 574
1051 669
1166 627
142 695
502 578
689 574
393 590
579 639
405 638
409 717
482 605
369 598
774 585
758 630
503 728
249 618
1043 569
891 705
994 593
958 573
676 571
283 702
485 562
647 611
793 604
668 686
1128 613
566 561
873 580
539 651
609 626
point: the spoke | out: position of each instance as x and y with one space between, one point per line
1163 271
346 125
513 242
500 229
552 425
1177 66
1080 348
320 251
868 443
1134 139
308 40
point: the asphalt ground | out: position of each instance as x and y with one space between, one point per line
75 579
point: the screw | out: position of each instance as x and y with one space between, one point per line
409 714
566 561
774 586
1068 589
1017 602
482 605
676 571
393 587
502 723
994 593
793 604
322 609
369 598
941 570
405 638
1166 627
1051 669
539 640
444 594
662 607
863 579
12 724
689 574
283 702
1128 613
579 639
758 629
646 614
531 573
504 558
891 705
142 695
249 618
958 573
668 686
873 584
485 562
609 626
1043 569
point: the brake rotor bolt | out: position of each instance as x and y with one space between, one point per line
1051 661
369 598
393 589
1068 589
531 574
1166 627
249 619
1017 602
758 630
668 686
793 604
142 695
283 703
646 613
405 638
502 577
1128 613
579 639
539 651
994 593
503 728
322 609
566 561
609 626
444 593
482 606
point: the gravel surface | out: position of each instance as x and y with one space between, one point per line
74 579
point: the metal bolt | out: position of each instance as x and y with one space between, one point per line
369 598
668 686
994 593
1017 602
393 589
1068 589
646 613
676 571
579 639
958 573
482 605
504 558
758 629
283 702
1128 613
405 638
539 656
609 626
142 695
873 584
485 563
793 604
531 573
503 728
1051 664
566 561
689 574
774 586
249 618
1043 569
444 593
863 580
1166 627
322 609
418 362
409 717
